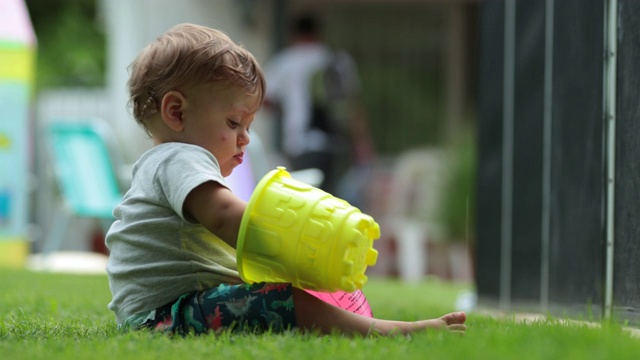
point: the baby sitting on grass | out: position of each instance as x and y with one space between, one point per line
172 263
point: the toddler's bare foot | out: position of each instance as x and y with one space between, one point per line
453 322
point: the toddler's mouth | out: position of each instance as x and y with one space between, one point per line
239 158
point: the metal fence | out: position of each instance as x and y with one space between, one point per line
558 180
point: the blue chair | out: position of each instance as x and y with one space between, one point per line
82 156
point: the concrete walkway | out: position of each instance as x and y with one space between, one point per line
527 318
71 262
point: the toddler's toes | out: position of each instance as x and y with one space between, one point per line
457 328
455 318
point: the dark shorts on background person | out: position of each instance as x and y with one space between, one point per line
254 307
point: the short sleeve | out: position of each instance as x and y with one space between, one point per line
183 169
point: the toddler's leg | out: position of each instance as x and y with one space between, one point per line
315 315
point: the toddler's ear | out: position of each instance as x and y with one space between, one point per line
171 108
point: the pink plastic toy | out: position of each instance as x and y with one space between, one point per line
355 302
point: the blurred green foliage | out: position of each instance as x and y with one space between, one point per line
404 106
459 190
71 43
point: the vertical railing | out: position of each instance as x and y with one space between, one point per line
546 156
507 152
611 24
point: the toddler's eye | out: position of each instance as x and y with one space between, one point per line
233 124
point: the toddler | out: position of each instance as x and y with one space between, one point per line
172 264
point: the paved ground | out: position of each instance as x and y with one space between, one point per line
75 262
533 317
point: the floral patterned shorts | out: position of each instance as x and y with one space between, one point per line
246 307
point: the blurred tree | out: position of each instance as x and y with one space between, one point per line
71 43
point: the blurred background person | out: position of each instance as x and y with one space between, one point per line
313 91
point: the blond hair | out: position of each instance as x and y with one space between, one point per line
189 55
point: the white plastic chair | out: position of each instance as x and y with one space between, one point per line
414 203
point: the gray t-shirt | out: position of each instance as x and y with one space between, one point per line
156 253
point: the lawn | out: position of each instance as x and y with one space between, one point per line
55 316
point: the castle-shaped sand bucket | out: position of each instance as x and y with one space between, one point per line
295 233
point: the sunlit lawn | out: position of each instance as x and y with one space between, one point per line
56 316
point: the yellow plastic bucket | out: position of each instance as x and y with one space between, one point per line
295 233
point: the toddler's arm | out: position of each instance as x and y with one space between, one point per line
216 208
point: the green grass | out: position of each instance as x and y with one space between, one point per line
55 316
